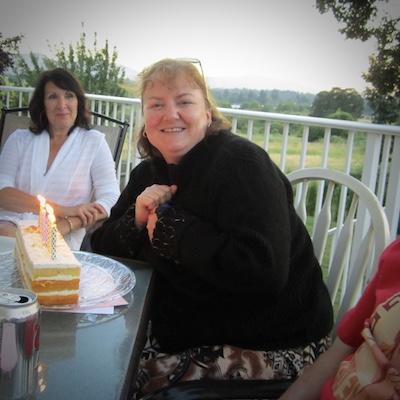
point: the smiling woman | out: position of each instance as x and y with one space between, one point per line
238 291
176 117
186 93
60 158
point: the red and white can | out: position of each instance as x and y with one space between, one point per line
19 343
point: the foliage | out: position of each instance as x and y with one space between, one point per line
346 100
342 115
279 101
26 74
364 20
252 105
292 108
342 104
311 199
9 48
316 133
269 100
95 68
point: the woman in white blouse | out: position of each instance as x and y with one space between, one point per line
60 158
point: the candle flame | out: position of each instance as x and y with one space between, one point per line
41 199
50 211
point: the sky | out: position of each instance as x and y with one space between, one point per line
263 44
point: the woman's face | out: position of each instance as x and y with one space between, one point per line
175 116
61 107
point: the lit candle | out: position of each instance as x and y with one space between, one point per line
52 238
42 215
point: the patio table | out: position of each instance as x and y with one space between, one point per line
92 356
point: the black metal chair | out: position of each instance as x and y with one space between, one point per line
114 129
12 119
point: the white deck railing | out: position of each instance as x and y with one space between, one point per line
380 169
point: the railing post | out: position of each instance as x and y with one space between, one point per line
392 205
369 177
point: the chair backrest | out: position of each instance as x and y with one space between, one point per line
329 208
114 129
12 119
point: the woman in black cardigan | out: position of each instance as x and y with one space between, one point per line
239 293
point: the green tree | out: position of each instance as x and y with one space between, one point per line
347 100
9 48
251 105
368 19
26 74
95 68
263 96
344 116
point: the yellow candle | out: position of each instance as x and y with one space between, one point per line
53 237
51 231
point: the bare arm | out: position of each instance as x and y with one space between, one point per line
308 386
83 214
15 200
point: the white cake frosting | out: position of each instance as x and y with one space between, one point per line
54 280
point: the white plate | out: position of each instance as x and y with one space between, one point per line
102 279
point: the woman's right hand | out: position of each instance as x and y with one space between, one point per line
88 213
152 197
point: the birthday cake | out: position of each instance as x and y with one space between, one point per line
46 264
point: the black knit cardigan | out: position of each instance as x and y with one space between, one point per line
235 264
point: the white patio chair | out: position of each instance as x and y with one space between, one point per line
346 245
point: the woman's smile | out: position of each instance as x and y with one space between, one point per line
176 116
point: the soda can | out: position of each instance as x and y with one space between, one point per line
19 343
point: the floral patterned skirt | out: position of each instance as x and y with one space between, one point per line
158 370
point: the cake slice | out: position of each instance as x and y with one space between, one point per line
55 279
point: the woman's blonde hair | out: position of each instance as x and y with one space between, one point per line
167 70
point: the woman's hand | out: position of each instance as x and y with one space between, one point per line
147 202
87 213
151 224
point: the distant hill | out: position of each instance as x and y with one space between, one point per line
238 82
256 82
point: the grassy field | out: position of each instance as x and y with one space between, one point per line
336 159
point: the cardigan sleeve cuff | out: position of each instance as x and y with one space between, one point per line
168 232
126 227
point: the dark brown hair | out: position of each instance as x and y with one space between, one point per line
65 80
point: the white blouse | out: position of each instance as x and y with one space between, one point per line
83 165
